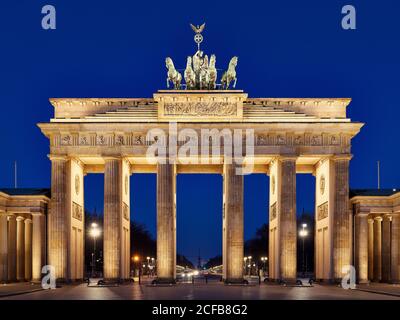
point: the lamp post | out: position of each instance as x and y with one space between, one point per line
148 266
303 233
249 257
264 261
136 262
94 232
152 266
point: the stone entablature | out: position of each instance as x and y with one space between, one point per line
376 214
23 203
291 136
130 139
377 204
23 215
210 106
81 107
193 106
322 108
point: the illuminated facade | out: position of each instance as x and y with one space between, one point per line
110 136
23 233
377 234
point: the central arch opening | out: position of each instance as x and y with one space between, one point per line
305 204
199 221
256 225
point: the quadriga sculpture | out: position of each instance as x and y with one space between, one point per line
190 76
230 74
212 73
173 75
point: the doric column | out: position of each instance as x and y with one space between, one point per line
58 225
233 225
66 218
3 248
20 249
288 240
12 248
112 218
38 245
341 218
361 249
378 249
283 231
370 249
324 177
28 249
395 256
116 219
166 223
386 248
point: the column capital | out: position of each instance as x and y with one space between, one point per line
20 218
378 218
284 157
54 157
78 162
362 214
322 160
37 214
111 158
28 220
288 157
338 157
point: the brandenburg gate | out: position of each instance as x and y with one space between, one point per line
111 136
183 130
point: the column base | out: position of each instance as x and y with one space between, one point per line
36 281
164 281
63 281
363 281
335 281
290 281
236 281
112 281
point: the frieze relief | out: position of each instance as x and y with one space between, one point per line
211 108
77 211
272 212
120 140
322 211
125 211
100 140
66 140
297 139
139 139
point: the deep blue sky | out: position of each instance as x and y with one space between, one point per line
117 49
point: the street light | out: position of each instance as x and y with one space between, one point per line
249 257
148 266
264 261
303 233
94 232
